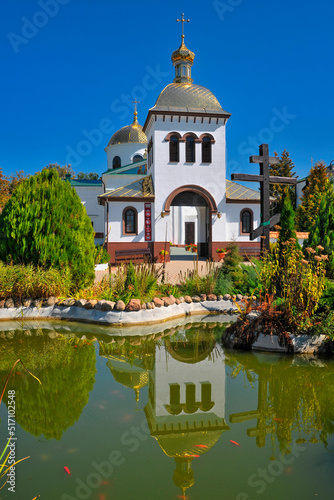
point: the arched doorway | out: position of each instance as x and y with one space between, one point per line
192 208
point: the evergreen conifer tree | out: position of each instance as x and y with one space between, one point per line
317 183
322 232
282 169
44 223
287 221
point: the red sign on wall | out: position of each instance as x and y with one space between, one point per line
148 221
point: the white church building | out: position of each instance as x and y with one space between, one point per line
166 181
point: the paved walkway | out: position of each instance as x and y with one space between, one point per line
181 263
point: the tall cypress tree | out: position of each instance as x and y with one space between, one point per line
287 222
282 169
44 223
287 231
317 184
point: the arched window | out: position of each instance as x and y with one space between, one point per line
190 149
116 163
137 158
246 221
206 150
130 221
150 153
174 149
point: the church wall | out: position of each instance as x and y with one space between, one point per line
168 176
116 181
88 195
116 222
233 220
125 151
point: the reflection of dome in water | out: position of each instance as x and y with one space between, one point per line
182 444
183 476
130 375
191 351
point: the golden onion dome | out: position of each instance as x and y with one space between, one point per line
182 53
188 97
130 134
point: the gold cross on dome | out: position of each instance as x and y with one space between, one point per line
135 102
182 20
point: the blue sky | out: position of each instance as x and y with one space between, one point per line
70 69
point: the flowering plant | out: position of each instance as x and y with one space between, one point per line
221 250
164 252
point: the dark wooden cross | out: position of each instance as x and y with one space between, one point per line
265 180
262 429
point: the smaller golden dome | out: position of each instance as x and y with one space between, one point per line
130 134
182 53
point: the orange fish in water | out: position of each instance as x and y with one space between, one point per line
277 419
234 442
105 483
102 497
201 446
35 498
66 469
192 456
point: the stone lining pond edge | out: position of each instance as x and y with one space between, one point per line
119 318
302 344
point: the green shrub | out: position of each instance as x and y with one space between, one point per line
130 282
297 281
101 255
32 282
195 284
45 224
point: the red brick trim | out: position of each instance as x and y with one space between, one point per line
168 136
201 137
195 189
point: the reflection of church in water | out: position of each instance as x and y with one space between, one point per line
186 397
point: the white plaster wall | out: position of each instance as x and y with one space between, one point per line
232 220
169 176
169 371
116 181
126 152
116 224
299 193
88 195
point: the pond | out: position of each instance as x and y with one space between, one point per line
170 415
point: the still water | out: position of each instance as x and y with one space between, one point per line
164 416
